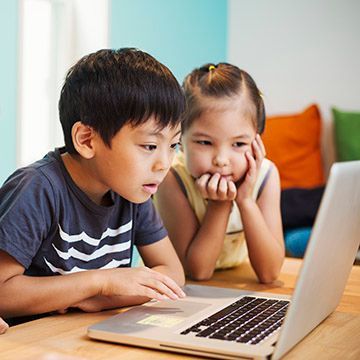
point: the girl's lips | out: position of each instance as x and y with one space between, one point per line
150 188
226 177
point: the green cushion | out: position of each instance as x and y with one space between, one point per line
347 134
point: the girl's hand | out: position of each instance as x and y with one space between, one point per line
246 186
215 187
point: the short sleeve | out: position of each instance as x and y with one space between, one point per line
149 227
25 214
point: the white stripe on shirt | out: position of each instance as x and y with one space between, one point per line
106 249
112 264
92 241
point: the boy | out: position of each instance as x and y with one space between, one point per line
3 326
79 211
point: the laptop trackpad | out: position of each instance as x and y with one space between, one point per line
165 314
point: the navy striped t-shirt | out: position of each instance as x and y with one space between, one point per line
51 227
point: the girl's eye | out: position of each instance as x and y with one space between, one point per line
239 144
203 142
149 147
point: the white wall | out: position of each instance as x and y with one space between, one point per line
300 52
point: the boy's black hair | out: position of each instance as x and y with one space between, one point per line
110 88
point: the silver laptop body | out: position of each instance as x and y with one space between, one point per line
328 260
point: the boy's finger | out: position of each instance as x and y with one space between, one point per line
3 326
174 287
152 294
170 283
163 289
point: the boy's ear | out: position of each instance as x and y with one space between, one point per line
83 138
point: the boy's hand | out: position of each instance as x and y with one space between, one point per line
245 187
3 326
141 281
215 187
99 303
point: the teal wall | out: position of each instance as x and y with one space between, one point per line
182 34
8 86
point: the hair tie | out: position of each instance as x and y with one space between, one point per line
261 94
211 67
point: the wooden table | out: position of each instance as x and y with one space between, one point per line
63 337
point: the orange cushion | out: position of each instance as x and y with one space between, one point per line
292 142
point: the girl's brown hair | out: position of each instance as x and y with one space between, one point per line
221 80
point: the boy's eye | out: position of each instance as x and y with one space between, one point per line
175 146
149 147
203 142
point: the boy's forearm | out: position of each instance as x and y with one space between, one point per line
27 295
98 303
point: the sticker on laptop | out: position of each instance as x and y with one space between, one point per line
161 321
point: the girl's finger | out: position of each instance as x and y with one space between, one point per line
252 165
212 186
201 183
261 144
223 189
231 190
258 155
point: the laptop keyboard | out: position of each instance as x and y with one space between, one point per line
249 320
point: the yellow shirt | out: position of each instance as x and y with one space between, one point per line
234 250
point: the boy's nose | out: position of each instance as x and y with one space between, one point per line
163 162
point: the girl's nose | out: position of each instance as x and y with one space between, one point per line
220 161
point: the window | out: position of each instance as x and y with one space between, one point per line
54 34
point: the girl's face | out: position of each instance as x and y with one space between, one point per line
216 141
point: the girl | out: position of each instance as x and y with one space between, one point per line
221 200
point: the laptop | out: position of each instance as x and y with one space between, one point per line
229 323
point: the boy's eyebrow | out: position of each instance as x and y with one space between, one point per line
157 133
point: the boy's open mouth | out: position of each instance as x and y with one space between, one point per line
150 188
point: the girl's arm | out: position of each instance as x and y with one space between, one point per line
198 246
263 229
